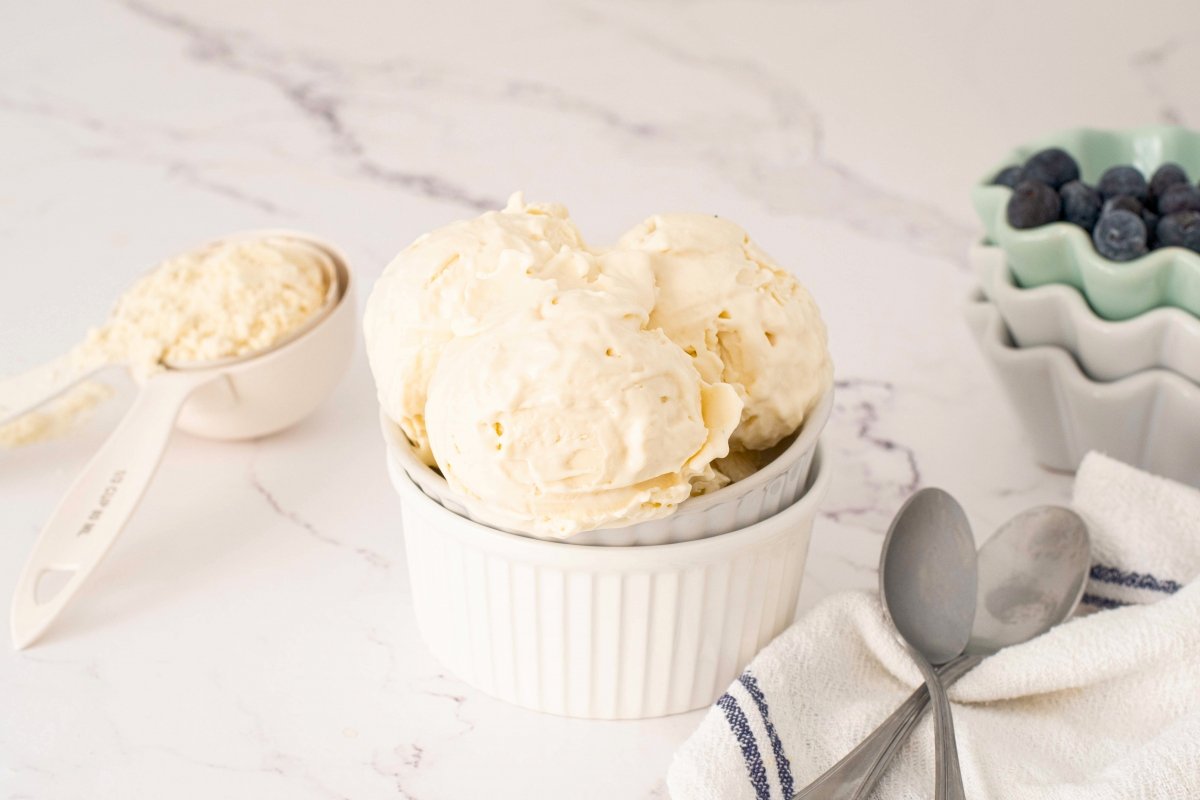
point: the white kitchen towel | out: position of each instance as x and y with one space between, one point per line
1145 532
1104 706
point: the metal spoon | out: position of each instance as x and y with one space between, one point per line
1032 573
928 579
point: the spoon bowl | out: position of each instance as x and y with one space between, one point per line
1032 573
928 575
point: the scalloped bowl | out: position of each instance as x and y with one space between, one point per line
1057 315
1150 420
1063 253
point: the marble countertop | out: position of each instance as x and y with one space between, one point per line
251 634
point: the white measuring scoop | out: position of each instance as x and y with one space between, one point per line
237 398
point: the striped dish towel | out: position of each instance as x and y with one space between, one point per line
1145 532
1105 707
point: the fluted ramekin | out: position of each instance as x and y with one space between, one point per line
602 632
1150 420
1057 315
738 505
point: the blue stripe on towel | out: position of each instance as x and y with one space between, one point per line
781 761
745 737
1132 580
1101 602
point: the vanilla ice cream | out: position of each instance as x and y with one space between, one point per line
744 320
231 299
463 278
572 416
561 388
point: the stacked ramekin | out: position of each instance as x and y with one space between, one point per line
652 619
1094 354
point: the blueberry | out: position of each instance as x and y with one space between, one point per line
1151 221
1009 176
1053 167
1181 197
1181 229
1120 236
1123 180
1032 204
1166 176
1122 202
1080 204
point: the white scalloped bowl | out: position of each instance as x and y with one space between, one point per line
1059 316
1150 420
738 505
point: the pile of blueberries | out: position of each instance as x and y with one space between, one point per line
1126 215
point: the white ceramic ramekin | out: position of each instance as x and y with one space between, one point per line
738 505
601 632
1150 420
1057 315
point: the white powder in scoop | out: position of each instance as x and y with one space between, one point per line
229 300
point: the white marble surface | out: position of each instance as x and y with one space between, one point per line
251 634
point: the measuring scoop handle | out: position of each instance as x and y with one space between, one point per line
96 507
28 390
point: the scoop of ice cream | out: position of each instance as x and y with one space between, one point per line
228 300
571 416
561 388
465 277
743 319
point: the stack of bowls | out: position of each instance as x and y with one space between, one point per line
1094 354
651 619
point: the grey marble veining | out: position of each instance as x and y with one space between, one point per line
251 635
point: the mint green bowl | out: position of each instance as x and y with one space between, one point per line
1063 253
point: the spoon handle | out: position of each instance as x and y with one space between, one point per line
856 775
94 511
28 390
948 783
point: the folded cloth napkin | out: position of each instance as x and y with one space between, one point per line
1104 706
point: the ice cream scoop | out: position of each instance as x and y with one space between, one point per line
462 278
571 416
468 335
743 319
241 397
